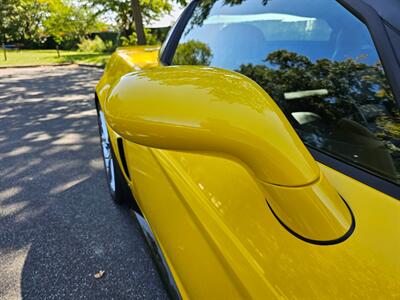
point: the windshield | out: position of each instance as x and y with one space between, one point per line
317 61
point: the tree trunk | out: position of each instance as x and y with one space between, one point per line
137 17
5 51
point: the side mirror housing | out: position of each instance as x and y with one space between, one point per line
206 109
191 108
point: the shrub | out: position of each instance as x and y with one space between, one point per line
151 38
95 45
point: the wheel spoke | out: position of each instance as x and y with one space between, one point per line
106 149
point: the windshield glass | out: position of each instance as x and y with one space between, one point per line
317 61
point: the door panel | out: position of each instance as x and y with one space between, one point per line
197 270
220 236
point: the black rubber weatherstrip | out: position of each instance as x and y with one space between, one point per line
317 242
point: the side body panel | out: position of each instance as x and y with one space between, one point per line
222 240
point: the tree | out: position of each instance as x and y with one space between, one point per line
67 22
137 17
131 14
7 24
20 21
193 53
356 93
33 21
350 81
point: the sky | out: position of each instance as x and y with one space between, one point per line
164 21
168 19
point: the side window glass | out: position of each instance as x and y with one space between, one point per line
317 61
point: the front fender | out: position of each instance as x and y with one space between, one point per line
123 61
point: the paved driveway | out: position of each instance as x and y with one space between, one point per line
58 226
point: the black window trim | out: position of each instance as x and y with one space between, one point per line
168 50
376 27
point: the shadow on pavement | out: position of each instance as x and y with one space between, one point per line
58 225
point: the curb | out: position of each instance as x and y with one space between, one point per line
99 66
35 66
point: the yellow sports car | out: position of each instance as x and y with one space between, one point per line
260 148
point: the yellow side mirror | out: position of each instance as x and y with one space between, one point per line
191 108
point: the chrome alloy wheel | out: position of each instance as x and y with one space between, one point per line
106 148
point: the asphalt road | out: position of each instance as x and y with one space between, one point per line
58 225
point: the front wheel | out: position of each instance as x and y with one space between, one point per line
116 182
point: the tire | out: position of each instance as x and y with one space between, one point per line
117 185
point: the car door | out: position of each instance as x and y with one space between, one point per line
320 63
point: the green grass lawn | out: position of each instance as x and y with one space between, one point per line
42 57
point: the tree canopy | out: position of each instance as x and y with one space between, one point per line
193 53
132 14
34 21
37 20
